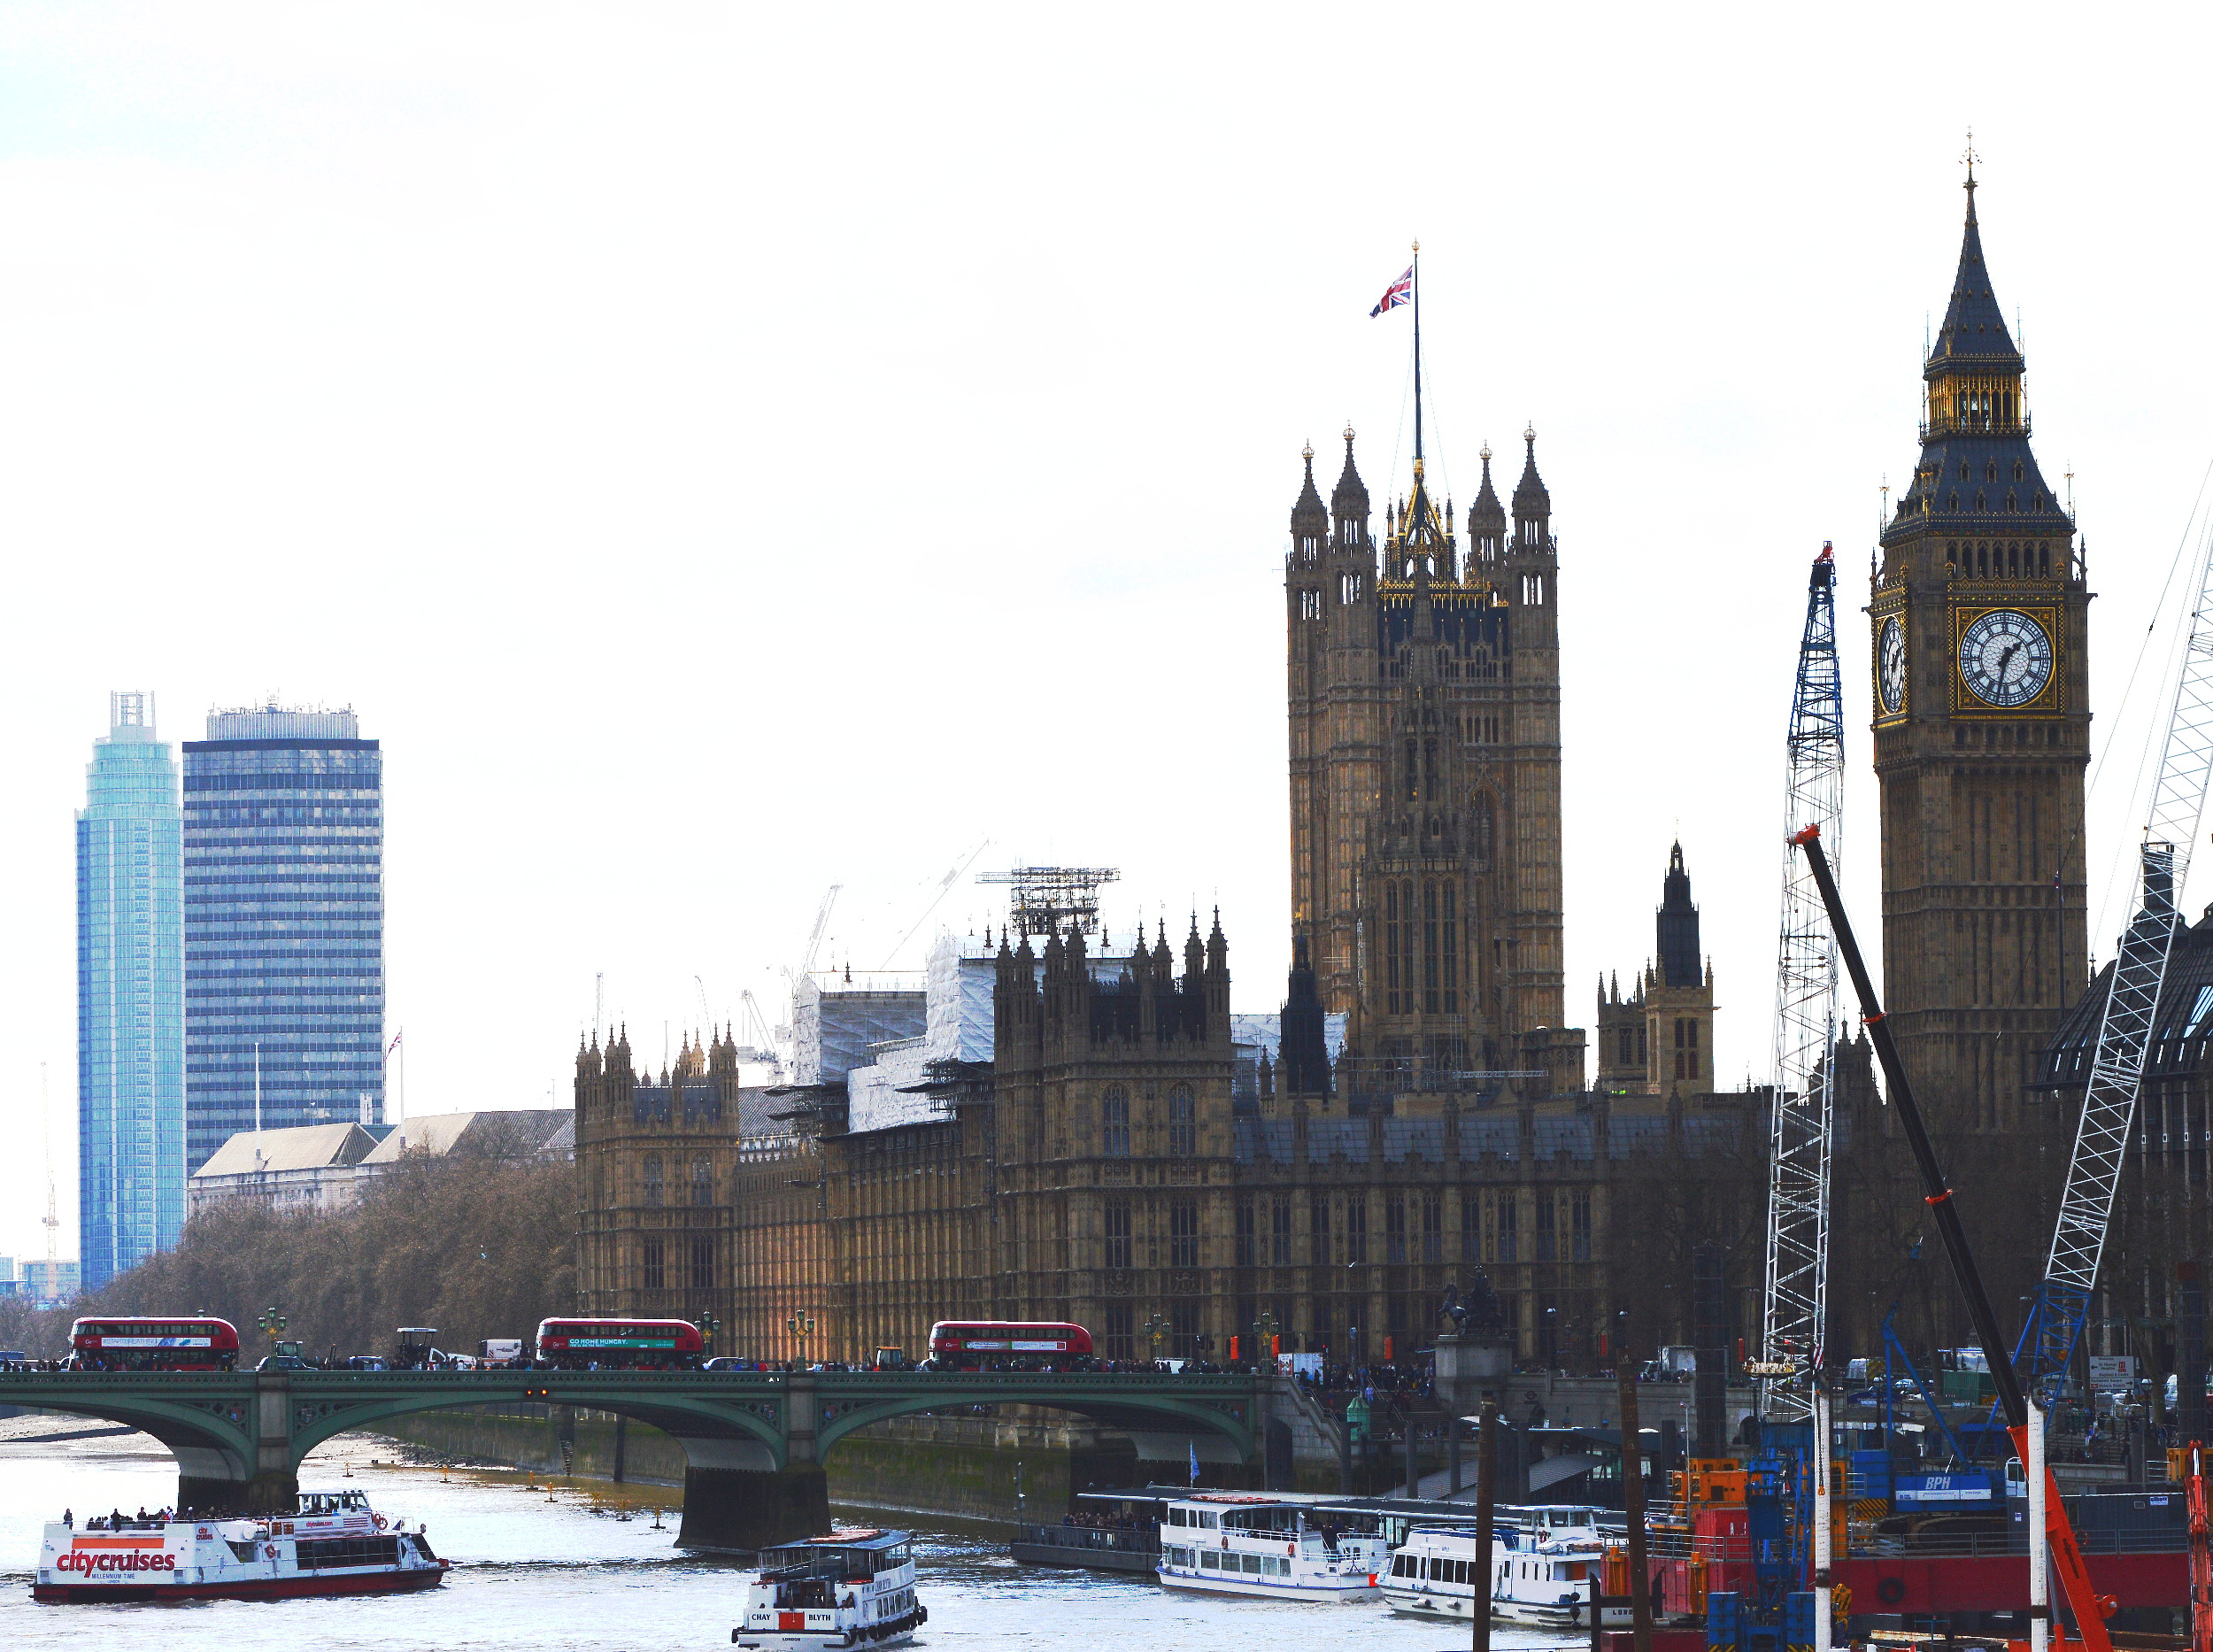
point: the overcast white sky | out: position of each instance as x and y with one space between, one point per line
726 450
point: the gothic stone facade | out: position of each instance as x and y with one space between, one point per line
1425 823
1110 1166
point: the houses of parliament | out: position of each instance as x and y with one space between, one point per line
1061 1123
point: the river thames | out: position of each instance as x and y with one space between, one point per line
532 1573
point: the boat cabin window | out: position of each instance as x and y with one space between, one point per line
332 1503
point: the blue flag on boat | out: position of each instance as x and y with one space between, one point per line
1194 1461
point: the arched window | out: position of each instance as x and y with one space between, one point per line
652 1168
702 1182
1183 1123
1113 1123
1391 946
1484 829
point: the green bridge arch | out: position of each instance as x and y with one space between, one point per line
753 1441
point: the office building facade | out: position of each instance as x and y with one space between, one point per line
285 925
130 998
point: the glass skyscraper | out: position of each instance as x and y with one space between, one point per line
283 924
130 998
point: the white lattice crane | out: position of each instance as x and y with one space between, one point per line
1794 1323
2125 1026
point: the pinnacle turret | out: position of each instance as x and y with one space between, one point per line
1348 500
1532 505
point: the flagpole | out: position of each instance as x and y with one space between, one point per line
1417 358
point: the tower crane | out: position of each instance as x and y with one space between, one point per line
1796 1306
2125 1027
814 936
792 977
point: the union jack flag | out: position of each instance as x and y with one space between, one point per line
1398 292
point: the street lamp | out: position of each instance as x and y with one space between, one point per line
273 1321
1264 1329
1156 1328
801 1325
709 1325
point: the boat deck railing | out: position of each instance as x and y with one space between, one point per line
1089 1538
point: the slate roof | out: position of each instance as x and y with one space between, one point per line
527 1128
303 1147
1974 332
1974 337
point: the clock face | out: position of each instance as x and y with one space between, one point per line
2005 658
1890 652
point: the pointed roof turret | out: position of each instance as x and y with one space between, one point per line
1486 511
1974 331
1531 502
1348 500
1309 517
1677 926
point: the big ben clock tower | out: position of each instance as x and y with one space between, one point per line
1982 727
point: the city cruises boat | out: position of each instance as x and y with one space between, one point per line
1246 1543
1546 1578
854 1588
333 1544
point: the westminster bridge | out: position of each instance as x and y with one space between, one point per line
753 1441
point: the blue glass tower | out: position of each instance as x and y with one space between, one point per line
130 998
284 924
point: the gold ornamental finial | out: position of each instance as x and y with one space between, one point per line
1528 432
1969 157
1348 430
1417 246
1306 451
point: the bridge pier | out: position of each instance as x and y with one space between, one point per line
753 1508
264 1492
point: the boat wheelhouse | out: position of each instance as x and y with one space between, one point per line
853 1587
1545 1578
334 1543
1249 1544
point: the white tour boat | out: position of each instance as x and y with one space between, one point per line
1544 1576
333 1544
1246 1543
854 1588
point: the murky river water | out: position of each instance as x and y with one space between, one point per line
538 1574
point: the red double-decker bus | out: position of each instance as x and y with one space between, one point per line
653 1344
153 1345
970 1345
